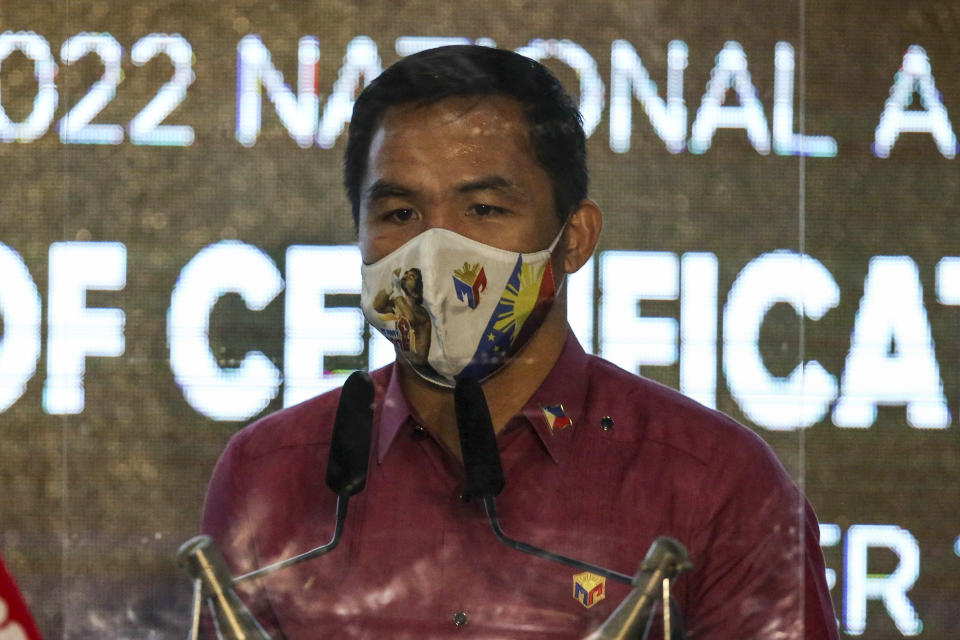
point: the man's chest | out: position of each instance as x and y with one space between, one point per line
419 560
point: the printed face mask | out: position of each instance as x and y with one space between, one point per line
456 307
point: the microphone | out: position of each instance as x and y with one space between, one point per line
346 476
478 443
350 442
666 559
481 459
346 462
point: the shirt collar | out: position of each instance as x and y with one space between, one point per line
394 413
562 394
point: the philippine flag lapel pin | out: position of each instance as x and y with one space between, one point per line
556 417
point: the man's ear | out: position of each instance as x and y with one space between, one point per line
581 235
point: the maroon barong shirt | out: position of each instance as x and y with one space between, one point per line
417 560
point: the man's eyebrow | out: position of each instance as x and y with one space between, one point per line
486 183
386 189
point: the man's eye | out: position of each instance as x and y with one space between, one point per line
486 209
400 215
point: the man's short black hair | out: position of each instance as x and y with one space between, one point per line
553 120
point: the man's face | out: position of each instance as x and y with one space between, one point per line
463 164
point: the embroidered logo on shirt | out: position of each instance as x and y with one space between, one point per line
469 281
556 417
589 588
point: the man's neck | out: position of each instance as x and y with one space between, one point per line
506 392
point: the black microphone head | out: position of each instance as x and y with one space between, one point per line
350 443
478 443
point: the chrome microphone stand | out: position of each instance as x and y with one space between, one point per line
346 476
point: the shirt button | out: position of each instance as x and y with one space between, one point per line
606 423
419 433
459 618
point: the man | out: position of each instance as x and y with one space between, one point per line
462 161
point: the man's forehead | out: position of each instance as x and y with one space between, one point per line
473 143
489 115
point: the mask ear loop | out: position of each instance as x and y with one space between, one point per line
556 239
558 287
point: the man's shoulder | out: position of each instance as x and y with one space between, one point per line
659 416
307 423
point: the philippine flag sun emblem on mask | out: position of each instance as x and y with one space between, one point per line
469 281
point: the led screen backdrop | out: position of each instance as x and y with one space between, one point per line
781 242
